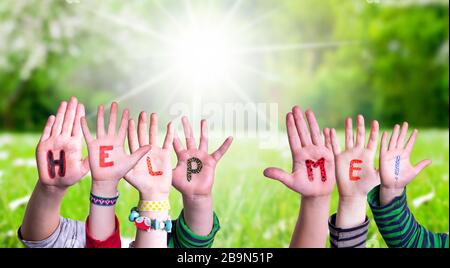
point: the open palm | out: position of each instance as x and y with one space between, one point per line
307 146
190 177
152 175
363 177
107 157
396 170
62 137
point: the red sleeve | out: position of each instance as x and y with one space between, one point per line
111 242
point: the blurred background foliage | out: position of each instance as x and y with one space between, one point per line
395 67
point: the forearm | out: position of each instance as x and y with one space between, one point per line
312 224
102 218
152 238
351 212
387 195
198 214
42 215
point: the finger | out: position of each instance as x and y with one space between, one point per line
218 154
203 136
57 125
348 133
412 139
168 142
402 136
135 157
360 132
335 142
85 166
76 130
112 119
301 126
294 139
327 135
153 129
421 166
177 145
69 117
100 122
373 138
384 145
86 133
279 175
142 129
394 137
190 140
133 142
48 128
123 125
314 128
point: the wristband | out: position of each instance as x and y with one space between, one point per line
103 201
153 206
147 224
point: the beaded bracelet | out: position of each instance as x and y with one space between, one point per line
147 224
103 201
153 206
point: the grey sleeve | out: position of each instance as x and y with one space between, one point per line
69 234
355 237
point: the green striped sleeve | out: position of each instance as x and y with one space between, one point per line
398 226
183 237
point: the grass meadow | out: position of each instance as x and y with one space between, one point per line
253 211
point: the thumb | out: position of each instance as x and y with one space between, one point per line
85 167
136 156
279 175
421 165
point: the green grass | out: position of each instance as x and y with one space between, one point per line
253 211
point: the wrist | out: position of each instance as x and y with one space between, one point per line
104 188
51 190
388 194
153 196
351 211
197 201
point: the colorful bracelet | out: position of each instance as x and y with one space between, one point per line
147 224
153 206
103 201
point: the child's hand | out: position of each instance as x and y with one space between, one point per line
107 157
396 170
152 175
313 171
356 174
59 152
194 174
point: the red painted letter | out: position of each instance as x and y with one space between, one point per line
353 168
150 168
311 164
104 155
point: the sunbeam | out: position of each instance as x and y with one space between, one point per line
292 47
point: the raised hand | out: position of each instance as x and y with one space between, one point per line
194 174
107 157
60 165
59 152
152 175
396 170
355 171
313 171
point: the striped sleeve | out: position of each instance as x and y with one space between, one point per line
398 226
183 237
355 237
